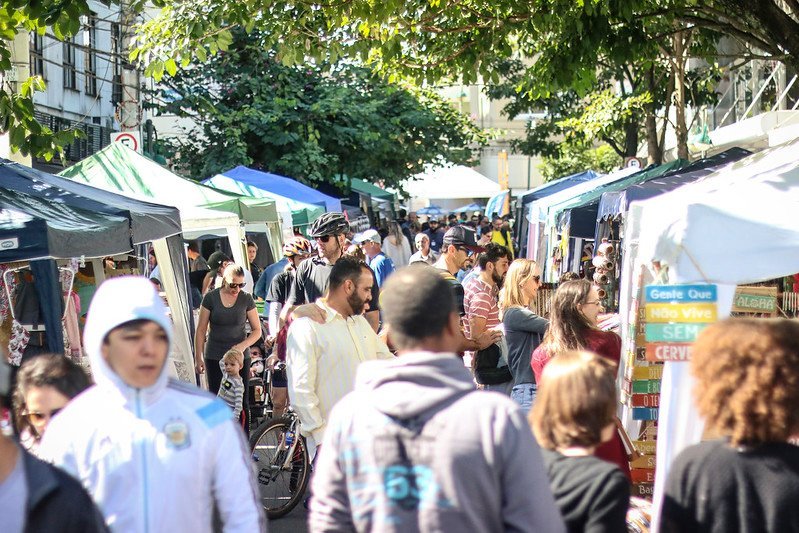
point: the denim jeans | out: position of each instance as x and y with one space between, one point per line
503 388
524 395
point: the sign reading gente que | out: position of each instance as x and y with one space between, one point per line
675 315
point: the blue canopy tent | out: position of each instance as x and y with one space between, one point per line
542 191
283 186
431 210
46 217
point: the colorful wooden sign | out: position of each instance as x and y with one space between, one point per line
646 447
648 372
645 461
680 293
755 300
643 475
646 386
690 313
646 400
644 490
664 351
645 413
673 332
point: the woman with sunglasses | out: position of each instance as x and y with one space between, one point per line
523 328
224 314
573 326
45 385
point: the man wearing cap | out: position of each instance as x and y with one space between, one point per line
371 243
436 235
459 244
154 453
423 254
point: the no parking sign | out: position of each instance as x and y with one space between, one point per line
131 139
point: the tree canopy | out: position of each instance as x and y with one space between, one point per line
313 123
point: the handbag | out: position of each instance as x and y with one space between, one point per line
484 366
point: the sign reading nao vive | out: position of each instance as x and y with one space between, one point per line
675 315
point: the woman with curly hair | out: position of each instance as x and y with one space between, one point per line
573 326
747 389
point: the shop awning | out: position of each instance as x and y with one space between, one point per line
550 188
451 182
364 187
283 186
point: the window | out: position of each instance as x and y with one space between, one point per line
90 62
37 54
116 52
70 70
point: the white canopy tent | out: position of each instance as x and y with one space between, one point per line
457 182
736 226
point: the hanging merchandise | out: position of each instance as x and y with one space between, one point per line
604 263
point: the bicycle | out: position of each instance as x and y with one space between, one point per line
283 466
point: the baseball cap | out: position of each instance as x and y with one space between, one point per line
462 236
368 235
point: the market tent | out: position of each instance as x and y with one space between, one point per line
452 182
496 204
713 231
148 221
302 213
283 186
615 203
432 211
118 168
469 208
364 187
536 211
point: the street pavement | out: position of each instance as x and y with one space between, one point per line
294 522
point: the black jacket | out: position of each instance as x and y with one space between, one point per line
57 502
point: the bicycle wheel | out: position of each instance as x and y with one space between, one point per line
281 483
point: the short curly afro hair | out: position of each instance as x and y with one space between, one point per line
747 373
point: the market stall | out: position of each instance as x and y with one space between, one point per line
120 169
448 186
736 226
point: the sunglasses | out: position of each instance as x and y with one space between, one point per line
323 238
468 252
35 417
236 285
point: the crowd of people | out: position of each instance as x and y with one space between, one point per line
430 394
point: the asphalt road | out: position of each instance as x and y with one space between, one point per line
294 522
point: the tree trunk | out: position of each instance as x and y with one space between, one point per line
631 136
655 156
679 93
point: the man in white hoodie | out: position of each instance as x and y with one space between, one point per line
155 454
415 447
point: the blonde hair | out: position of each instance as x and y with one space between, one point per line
235 355
576 401
512 292
231 271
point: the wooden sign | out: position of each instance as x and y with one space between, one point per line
646 386
680 293
645 413
643 475
646 400
647 447
691 313
664 351
755 300
673 332
648 372
644 490
645 461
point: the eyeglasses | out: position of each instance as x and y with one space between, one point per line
236 285
323 238
468 252
35 417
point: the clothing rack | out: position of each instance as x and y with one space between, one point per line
65 294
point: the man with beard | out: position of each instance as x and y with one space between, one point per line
480 301
321 358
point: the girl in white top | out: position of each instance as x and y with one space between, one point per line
396 246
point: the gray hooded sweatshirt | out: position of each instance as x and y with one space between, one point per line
415 448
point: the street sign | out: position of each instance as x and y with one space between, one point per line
690 312
668 351
680 293
131 139
673 332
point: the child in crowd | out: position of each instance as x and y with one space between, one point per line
231 391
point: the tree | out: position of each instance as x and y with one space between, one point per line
313 123
25 133
575 158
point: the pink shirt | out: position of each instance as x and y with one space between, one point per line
480 300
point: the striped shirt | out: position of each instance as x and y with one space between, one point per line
231 391
480 300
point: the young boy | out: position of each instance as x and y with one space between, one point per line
231 391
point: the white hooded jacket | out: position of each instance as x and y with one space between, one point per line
156 459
